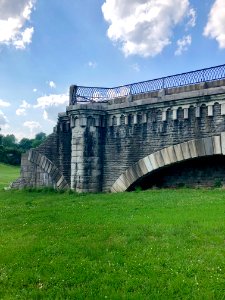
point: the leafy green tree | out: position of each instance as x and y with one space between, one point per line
39 138
10 150
0 138
25 144
9 141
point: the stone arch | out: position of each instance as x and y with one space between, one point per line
48 167
209 146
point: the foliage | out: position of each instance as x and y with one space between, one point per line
11 150
158 244
217 183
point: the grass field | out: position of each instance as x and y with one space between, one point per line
8 174
159 244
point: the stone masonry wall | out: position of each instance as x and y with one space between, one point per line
94 143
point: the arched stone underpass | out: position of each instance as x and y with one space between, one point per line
165 166
208 171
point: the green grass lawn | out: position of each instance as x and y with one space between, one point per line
158 244
8 174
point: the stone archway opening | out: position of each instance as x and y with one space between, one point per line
207 171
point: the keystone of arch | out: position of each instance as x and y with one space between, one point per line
214 145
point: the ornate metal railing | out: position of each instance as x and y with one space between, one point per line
99 94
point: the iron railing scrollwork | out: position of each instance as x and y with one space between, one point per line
100 94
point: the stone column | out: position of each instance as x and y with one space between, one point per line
87 154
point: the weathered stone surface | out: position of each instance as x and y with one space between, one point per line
200 147
223 142
172 154
216 145
153 161
165 156
208 144
148 163
159 159
142 166
192 148
178 152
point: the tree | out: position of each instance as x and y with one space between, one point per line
1 138
25 144
9 141
39 138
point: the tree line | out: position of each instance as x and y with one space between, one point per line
11 149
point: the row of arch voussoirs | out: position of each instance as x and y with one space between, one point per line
118 118
214 145
47 166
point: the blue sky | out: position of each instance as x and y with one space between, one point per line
45 46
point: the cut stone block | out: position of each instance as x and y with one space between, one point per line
223 109
197 112
138 170
159 159
219 144
210 110
117 187
185 150
200 147
148 164
172 154
132 174
192 148
163 115
142 166
165 156
174 115
121 184
153 161
125 180
178 152
185 113
208 146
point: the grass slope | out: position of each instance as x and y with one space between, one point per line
159 244
8 174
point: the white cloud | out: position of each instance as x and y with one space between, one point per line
192 18
34 90
52 100
52 105
14 16
52 84
4 103
144 27
25 104
136 67
92 64
21 112
32 125
183 44
3 119
215 27
45 115
26 38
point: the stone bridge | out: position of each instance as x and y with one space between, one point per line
167 136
